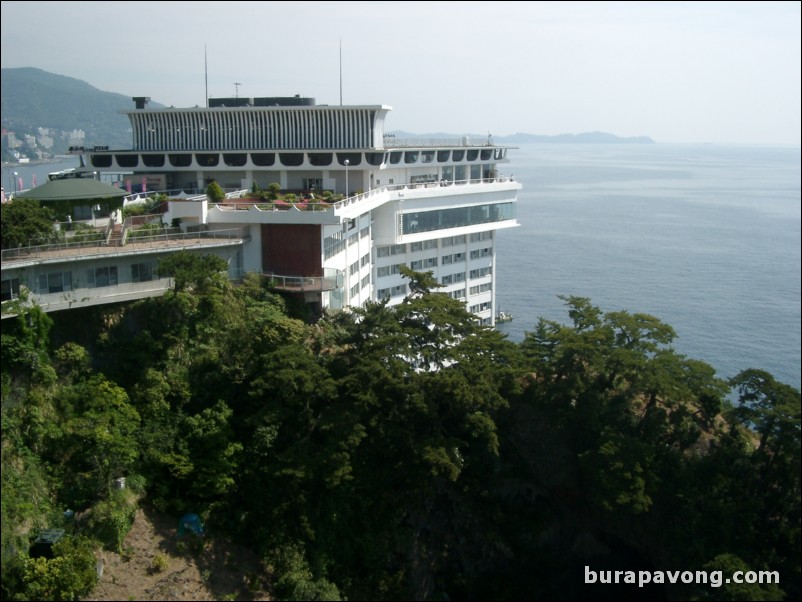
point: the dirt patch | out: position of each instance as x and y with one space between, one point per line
155 566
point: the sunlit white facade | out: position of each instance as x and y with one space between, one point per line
433 205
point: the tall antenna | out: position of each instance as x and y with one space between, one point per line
236 89
206 74
341 72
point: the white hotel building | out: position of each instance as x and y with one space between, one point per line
433 205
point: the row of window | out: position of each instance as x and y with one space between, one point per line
424 245
423 264
455 258
448 241
294 159
60 282
452 278
481 272
430 262
459 293
360 285
395 291
335 243
479 253
482 288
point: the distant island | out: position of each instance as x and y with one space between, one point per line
584 138
521 138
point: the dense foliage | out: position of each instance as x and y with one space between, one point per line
404 452
25 220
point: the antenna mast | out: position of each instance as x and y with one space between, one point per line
206 74
236 89
341 72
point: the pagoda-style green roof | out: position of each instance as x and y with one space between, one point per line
73 189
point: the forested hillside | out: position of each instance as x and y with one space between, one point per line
395 453
32 98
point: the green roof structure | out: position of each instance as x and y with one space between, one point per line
73 189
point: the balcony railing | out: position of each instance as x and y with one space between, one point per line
331 280
391 142
171 238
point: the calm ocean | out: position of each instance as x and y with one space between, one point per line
705 238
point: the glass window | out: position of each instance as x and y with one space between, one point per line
142 272
10 289
102 276
55 282
427 221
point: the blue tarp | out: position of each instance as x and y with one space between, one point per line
190 523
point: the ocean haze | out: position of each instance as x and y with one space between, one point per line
705 238
717 72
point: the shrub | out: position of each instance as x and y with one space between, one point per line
69 575
215 193
146 230
272 190
159 564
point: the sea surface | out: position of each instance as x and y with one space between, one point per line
705 238
34 173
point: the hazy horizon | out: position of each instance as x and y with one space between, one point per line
677 72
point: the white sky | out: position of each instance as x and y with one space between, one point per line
717 72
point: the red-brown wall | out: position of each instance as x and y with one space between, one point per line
291 249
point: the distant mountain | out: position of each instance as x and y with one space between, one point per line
585 138
32 98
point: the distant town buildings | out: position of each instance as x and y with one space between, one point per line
39 143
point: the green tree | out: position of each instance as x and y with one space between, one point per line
25 341
200 272
215 192
273 190
631 401
770 411
390 431
212 451
96 440
771 408
25 222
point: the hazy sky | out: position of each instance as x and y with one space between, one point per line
718 72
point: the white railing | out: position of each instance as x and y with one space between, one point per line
84 296
401 187
94 248
331 280
391 142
